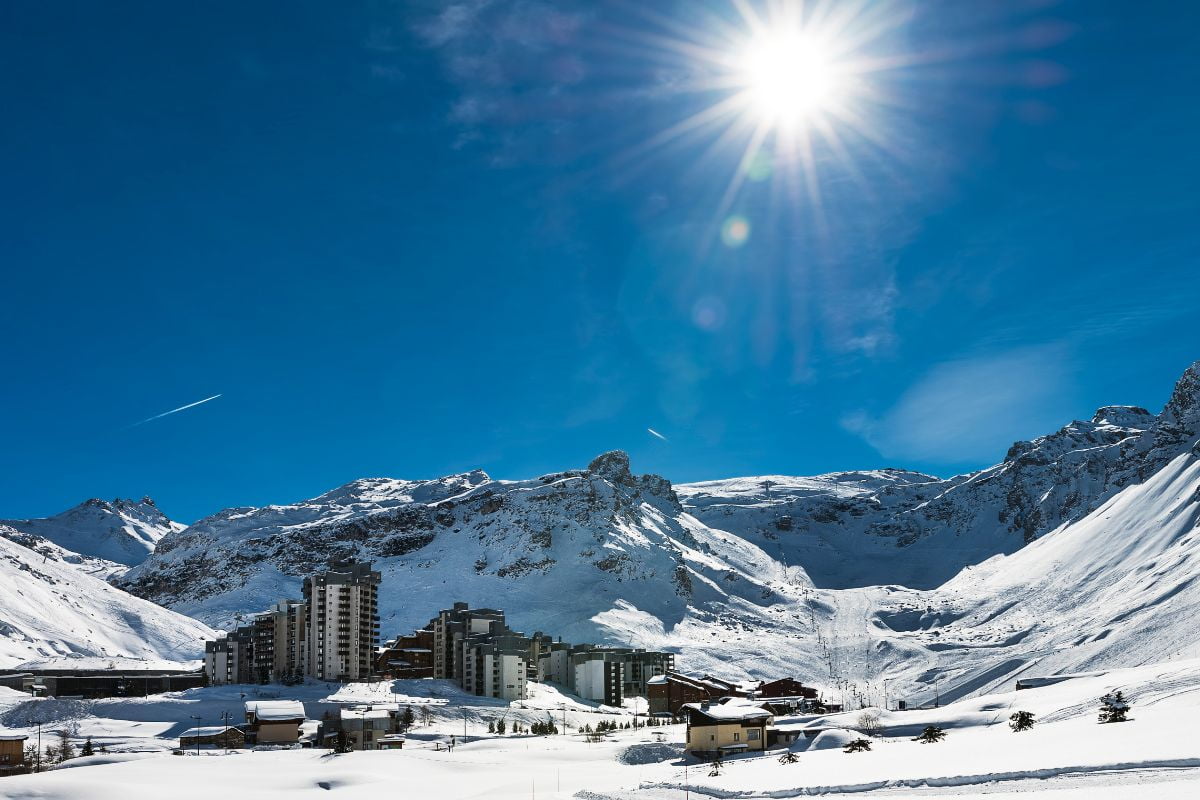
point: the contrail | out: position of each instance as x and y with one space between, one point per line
175 410
656 434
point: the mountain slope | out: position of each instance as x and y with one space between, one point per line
50 608
582 554
897 527
120 531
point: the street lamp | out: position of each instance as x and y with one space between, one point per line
197 733
38 753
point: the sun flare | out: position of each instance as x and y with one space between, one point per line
788 77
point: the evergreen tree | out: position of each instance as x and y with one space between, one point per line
66 750
408 719
788 758
500 726
51 754
931 734
491 726
1114 707
1021 721
857 746
31 757
717 765
87 749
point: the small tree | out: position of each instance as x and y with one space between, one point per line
789 758
87 749
491 726
407 720
857 746
31 757
51 754
717 765
1114 707
426 715
501 727
868 723
1021 721
341 744
931 734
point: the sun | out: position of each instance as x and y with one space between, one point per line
787 77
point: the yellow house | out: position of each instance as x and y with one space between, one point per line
732 726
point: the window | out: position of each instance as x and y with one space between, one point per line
737 737
753 734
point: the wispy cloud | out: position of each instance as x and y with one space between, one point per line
970 411
656 434
175 410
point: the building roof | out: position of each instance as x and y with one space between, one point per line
275 710
392 737
11 738
657 680
213 730
732 711
352 714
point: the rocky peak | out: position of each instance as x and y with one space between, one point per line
1124 417
1183 409
613 466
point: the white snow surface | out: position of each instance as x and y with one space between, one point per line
50 610
1067 754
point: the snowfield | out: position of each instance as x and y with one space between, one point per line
1067 752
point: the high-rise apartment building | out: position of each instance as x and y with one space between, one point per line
342 621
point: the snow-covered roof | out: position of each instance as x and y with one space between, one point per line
212 730
732 711
657 680
12 738
275 710
392 737
350 714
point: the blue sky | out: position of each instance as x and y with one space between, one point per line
417 238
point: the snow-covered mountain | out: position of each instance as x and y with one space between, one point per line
1076 551
50 608
555 552
120 531
891 526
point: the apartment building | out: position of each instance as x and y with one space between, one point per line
451 627
342 621
281 642
496 665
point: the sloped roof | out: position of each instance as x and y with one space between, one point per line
275 710
732 711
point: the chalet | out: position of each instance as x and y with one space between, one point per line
224 736
668 693
274 721
12 755
733 726
407 656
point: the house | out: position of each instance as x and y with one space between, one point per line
225 736
733 726
391 741
12 755
274 721
669 692
366 727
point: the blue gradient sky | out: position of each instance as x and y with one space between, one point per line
417 238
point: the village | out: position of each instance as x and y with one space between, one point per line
331 635
465 704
